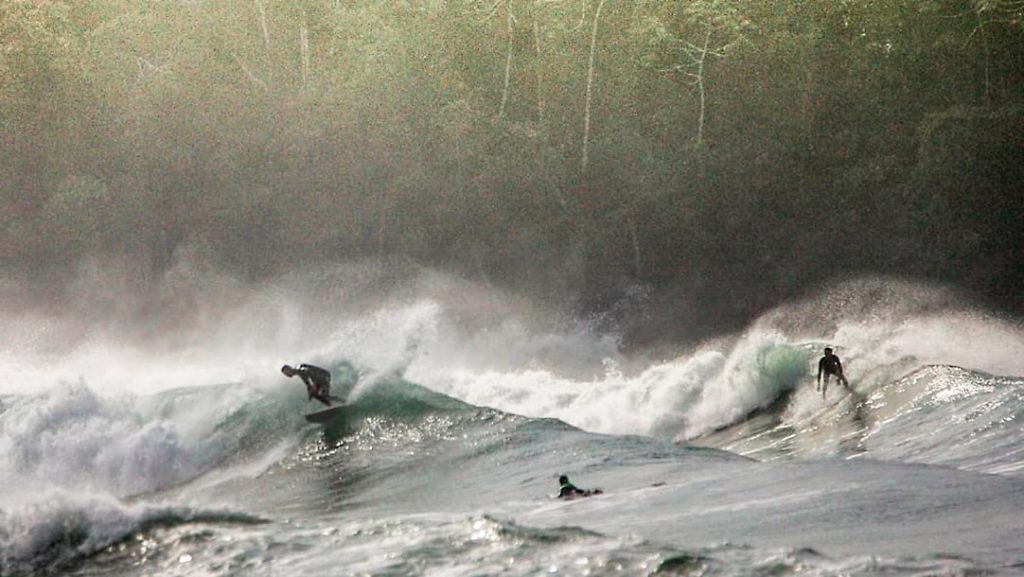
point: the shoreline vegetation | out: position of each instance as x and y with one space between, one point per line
710 158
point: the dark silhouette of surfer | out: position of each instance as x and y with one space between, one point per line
567 490
828 366
317 380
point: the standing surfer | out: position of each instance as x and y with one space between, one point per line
830 365
317 380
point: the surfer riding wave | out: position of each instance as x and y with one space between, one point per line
317 380
829 366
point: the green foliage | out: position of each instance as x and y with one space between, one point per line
276 131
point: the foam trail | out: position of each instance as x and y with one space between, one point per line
488 349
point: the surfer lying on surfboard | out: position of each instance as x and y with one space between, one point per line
318 381
567 490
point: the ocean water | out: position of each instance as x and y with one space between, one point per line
191 456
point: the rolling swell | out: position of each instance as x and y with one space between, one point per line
400 448
52 536
946 415
402 400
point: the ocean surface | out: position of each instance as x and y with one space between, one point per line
192 456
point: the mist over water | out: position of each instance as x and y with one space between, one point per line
126 420
602 239
486 347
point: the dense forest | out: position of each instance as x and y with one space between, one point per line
704 159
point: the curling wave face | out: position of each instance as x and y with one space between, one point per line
396 481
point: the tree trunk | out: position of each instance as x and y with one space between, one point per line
266 35
304 46
987 95
508 57
700 86
590 87
541 133
540 67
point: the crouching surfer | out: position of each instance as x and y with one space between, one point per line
830 365
317 380
567 490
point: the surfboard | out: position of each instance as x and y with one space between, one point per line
587 493
325 415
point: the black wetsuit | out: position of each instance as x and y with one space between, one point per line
830 365
569 490
318 381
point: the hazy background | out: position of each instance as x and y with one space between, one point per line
666 169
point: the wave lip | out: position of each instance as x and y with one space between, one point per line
74 437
